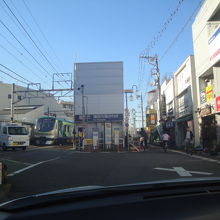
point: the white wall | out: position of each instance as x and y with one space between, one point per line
201 35
103 87
5 90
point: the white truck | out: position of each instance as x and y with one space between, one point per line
13 136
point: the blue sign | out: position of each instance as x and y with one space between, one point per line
99 118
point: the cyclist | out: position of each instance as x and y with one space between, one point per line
165 139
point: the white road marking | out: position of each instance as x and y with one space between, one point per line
182 172
31 166
14 161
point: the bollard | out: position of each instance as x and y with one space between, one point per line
3 173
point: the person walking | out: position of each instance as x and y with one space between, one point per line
189 141
143 139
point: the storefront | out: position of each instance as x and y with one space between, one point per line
169 128
181 127
208 127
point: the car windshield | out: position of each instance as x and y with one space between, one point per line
17 131
45 124
110 91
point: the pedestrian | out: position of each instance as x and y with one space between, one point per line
189 140
142 143
143 139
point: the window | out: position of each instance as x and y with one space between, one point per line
17 131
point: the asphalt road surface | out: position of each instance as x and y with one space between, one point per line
43 169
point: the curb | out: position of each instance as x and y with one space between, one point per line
196 156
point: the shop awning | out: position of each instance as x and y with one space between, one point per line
185 118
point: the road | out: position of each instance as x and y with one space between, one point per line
44 169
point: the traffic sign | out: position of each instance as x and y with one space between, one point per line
126 125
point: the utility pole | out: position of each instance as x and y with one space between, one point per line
127 139
12 101
142 112
83 109
153 60
127 115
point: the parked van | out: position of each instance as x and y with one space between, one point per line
13 136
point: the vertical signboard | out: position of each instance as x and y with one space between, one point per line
95 137
116 134
209 93
152 119
1 173
217 104
183 78
108 133
214 46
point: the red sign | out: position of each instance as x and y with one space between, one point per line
218 104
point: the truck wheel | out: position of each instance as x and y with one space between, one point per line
24 148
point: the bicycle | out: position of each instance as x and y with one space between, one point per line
188 147
165 146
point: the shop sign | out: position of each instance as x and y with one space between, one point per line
169 124
108 133
203 96
152 119
116 134
218 104
209 93
205 111
214 46
95 137
99 118
183 78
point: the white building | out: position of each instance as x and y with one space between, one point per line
28 106
168 107
185 100
99 99
206 42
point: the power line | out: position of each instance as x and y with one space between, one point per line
156 38
15 73
21 54
29 36
164 27
181 30
19 13
42 33
8 74
38 26
24 47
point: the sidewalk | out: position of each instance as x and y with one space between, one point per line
196 154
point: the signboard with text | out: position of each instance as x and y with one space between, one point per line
209 93
214 46
108 133
99 118
217 104
95 138
116 135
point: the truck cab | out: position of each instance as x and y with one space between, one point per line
13 136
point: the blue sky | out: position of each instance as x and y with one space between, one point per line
94 30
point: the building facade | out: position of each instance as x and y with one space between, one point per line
185 100
28 106
168 108
206 42
99 101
